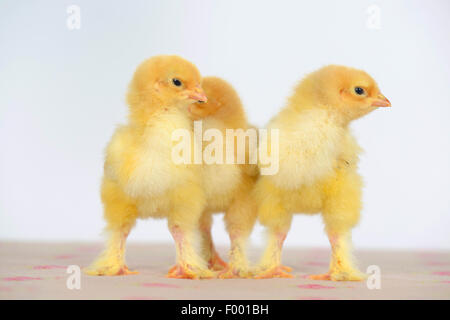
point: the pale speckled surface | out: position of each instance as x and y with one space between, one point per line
37 271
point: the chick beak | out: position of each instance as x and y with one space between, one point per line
198 95
381 101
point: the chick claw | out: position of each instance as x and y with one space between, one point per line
181 273
217 264
286 268
275 272
339 276
172 269
231 272
187 272
110 271
323 276
125 271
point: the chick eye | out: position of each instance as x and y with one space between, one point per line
176 82
359 91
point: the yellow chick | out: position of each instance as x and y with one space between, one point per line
140 178
227 186
318 159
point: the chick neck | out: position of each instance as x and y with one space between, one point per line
335 115
141 111
232 117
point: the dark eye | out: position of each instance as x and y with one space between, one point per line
176 82
359 91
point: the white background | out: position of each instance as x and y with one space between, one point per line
62 93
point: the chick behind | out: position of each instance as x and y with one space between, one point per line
227 186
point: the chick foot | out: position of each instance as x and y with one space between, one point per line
216 263
351 275
172 269
125 271
189 272
286 268
275 272
234 271
111 270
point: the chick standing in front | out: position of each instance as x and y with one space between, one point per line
141 180
318 159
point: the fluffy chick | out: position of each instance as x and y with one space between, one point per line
227 186
140 179
318 159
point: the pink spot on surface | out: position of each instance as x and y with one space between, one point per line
47 267
159 285
314 286
21 278
445 281
442 273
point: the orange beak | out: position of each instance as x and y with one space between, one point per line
381 101
197 94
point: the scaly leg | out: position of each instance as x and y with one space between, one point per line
274 216
270 266
209 252
189 265
183 221
342 267
239 219
112 260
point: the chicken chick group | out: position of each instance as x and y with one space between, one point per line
318 158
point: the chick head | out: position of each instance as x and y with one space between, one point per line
221 95
167 81
351 92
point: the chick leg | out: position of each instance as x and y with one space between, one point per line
189 264
120 215
278 221
239 219
209 252
342 267
340 214
183 221
112 260
270 266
